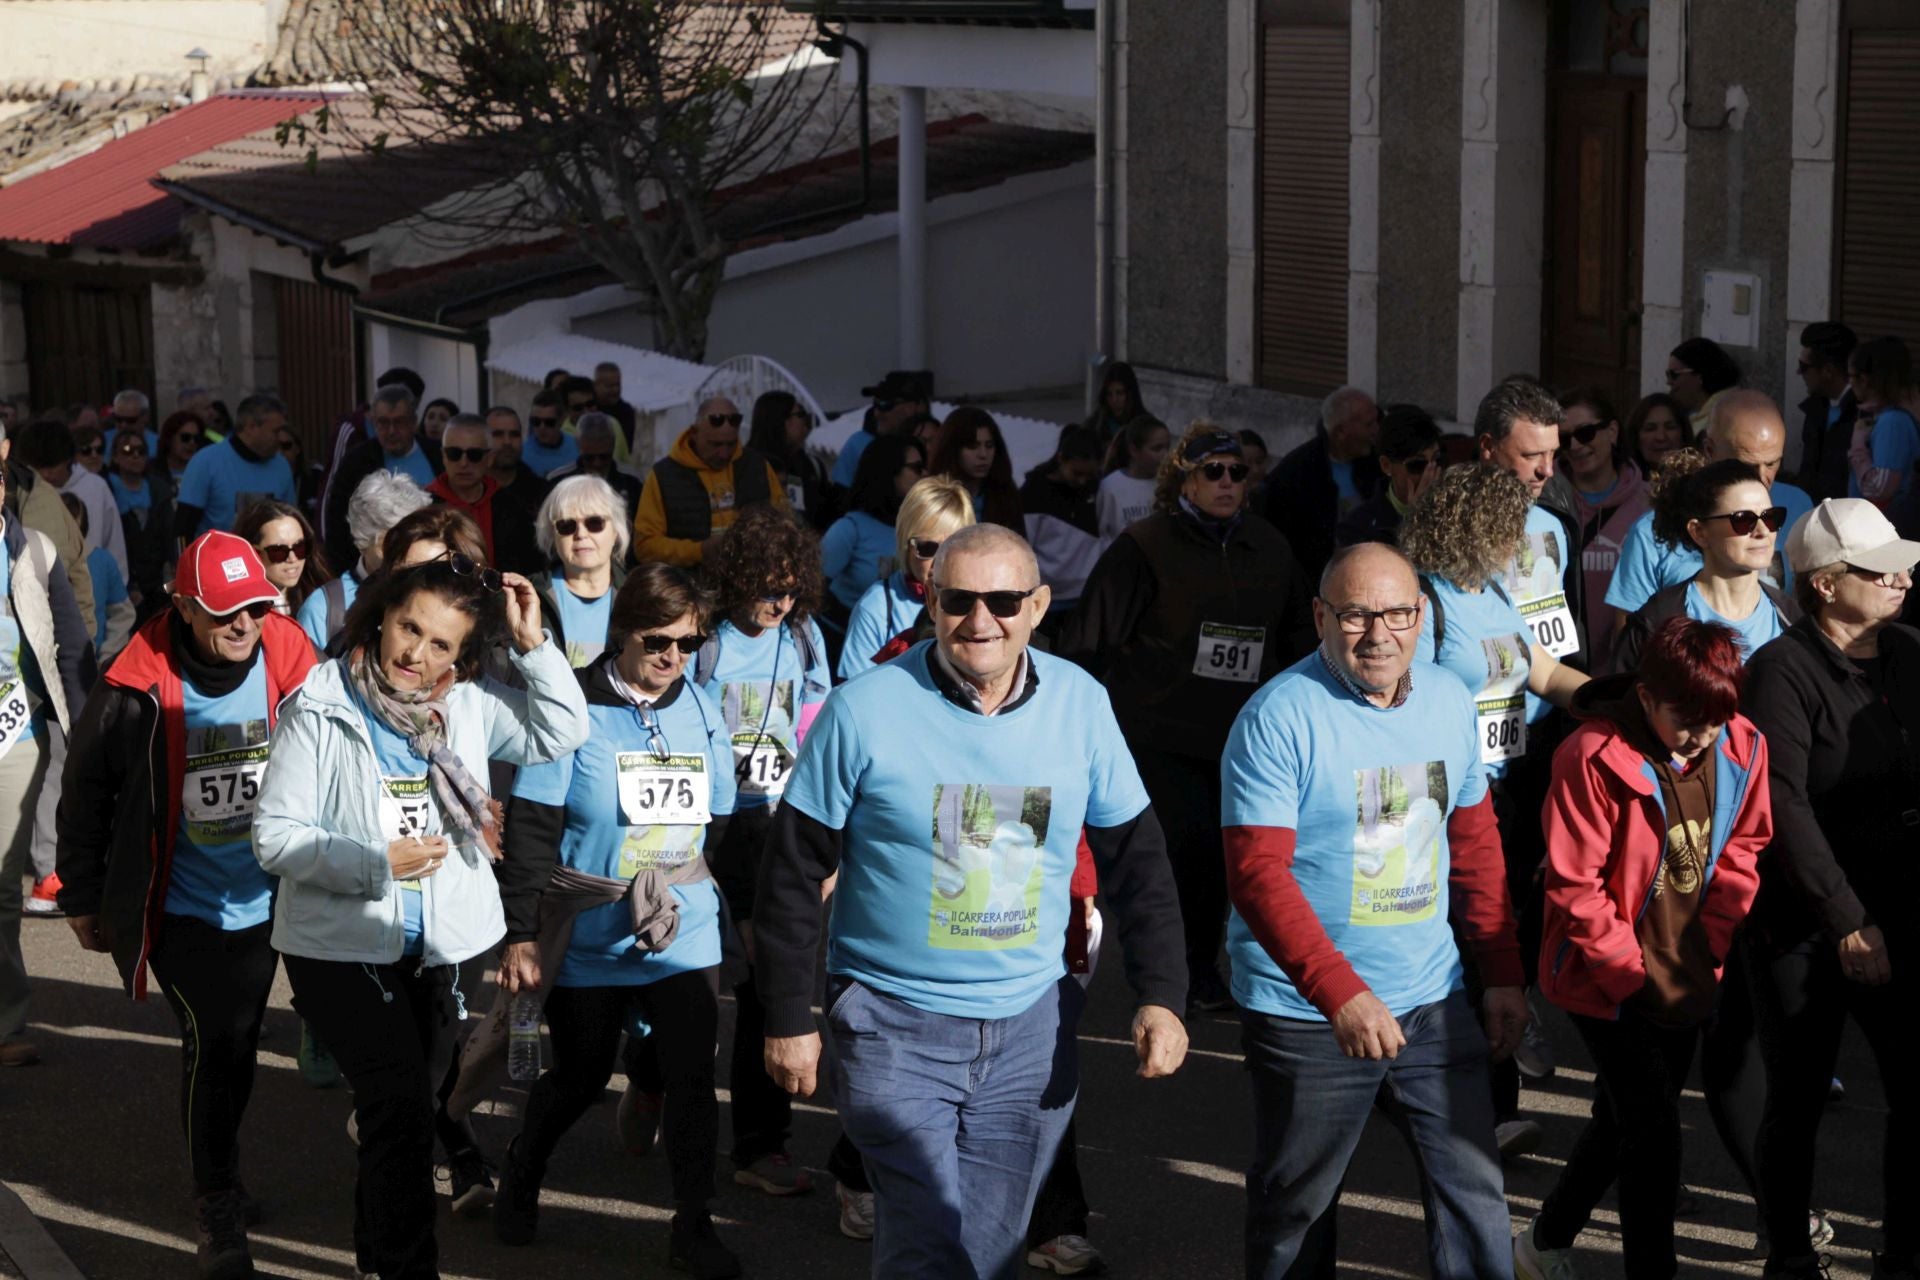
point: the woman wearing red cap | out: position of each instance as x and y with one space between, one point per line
184 718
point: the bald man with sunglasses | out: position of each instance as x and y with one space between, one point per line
694 494
946 791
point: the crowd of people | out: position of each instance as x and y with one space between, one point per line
1382 748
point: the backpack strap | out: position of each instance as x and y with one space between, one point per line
336 593
707 661
1439 612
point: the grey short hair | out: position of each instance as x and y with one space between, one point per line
1339 402
395 393
473 420
380 502
985 539
583 496
597 425
132 398
257 406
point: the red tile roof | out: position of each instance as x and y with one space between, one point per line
106 200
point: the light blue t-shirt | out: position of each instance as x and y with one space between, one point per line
619 798
1648 566
215 876
1896 447
109 588
960 830
885 610
854 552
407 808
222 484
411 463
17 663
313 610
1368 792
1488 646
583 621
763 688
1347 494
1758 627
848 462
543 461
127 499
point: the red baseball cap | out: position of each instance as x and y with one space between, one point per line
222 573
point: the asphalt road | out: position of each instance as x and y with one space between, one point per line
91 1141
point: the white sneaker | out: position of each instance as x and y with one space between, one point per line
1531 1262
856 1212
1517 1137
1534 1057
1068 1255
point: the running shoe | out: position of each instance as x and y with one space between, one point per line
696 1249
1531 1262
1534 1057
856 1212
1517 1137
471 1179
1068 1255
777 1175
44 900
222 1253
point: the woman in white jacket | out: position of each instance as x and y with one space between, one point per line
375 815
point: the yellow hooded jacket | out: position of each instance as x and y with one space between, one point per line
650 540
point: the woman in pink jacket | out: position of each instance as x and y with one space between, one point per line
1655 819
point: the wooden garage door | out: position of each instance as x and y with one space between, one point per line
1877 269
314 327
86 343
1303 197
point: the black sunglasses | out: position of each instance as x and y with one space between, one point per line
688 645
543 421
257 610
1001 604
724 419
1235 471
281 552
464 455
132 449
465 567
1584 434
1742 522
92 450
1417 466
188 437
925 548
565 527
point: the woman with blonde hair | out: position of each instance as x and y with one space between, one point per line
892 612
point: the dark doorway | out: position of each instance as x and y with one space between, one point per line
86 343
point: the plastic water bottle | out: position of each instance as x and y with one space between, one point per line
523 1038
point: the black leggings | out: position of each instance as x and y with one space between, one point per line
217 981
683 1013
1801 1002
1731 1071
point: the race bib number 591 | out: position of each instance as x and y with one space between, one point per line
1229 652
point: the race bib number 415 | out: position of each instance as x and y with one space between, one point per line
671 792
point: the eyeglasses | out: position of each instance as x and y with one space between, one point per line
281 552
465 567
925 548
463 455
1674 375
723 419
779 595
1583 434
1357 622
257 610
687 645
92 450
1001 604
565 527
1742 522
650 721
1876 577
1235 471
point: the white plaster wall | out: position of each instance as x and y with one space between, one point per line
449 368
1663 279
82 40
1816 72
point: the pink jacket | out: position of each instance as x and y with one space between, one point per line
1606 832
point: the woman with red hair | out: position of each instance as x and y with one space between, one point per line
1654 823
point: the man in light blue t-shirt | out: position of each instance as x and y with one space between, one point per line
948 790
1357 824
225 479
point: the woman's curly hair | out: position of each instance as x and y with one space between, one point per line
1467 526
1663 488
767 552
1174 469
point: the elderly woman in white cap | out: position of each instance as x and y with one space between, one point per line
1832 934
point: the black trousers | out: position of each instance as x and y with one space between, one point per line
1801 1002
683 1012
1731 1071
391 1029
216 981
1633 1138
1185 792
1516 806
1061 1207
762 1110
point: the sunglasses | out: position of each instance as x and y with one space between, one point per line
281 552
463 455
257 610
687 645
1584 434
132 451
1417 466
465 567
780 596
565 527
1742 522
724 419
92 450
925 548
1001 604
1235 471
537 421
189 438
1674 375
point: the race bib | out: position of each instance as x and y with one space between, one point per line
760 765
1229 653
671 792
1503 728
221 784
1551 621
15 713
406 808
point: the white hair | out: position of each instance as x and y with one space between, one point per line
380 502
593 425
132 399
578 496
1338 403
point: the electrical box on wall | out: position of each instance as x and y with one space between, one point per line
1730 308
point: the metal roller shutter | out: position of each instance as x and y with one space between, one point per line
1877 270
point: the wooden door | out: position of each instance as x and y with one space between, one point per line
86 343
1596 182
315 329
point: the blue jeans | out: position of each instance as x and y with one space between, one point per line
1310 1104
957 1121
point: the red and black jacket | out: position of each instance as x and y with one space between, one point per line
120 797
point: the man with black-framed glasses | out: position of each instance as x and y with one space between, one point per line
694 494
945 793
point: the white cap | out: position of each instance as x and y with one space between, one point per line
1851 531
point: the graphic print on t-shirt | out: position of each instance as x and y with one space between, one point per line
224 763
760 722
1399 813
1680 868
988 865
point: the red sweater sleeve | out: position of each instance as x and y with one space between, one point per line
1261 883
1086 881
1478 882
